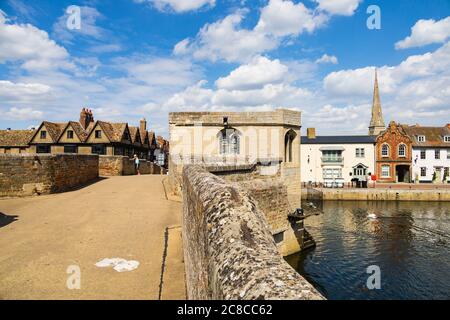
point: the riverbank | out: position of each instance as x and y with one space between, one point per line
377 194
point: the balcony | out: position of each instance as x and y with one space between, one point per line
329 160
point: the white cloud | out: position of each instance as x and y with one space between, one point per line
225 39
339 7
179 6
88 28
10 89
416 90
259 85
23 114
327 59
278 20
426 32
284 18
257 73
31 46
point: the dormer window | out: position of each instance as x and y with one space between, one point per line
421 138
447 138
43 134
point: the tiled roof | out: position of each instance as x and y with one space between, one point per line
114 131
144 136
79 130
54 129
15 138
134 133
338 139
434 136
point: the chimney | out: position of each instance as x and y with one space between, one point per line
311 132
448 125
84 118
143 125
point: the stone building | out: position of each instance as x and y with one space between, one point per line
430 153
238 138
394 154
86 136
15 141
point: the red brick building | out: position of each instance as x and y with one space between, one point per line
393 153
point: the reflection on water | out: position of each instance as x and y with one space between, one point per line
409 241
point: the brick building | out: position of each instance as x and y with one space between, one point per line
393 152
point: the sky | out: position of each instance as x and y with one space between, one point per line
128 59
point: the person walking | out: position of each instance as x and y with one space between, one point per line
136 164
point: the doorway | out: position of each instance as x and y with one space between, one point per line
403 173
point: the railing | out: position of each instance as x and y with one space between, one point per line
333 159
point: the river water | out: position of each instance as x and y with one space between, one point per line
408 241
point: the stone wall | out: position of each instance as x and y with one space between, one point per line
377 195
229 250
27 174
124 166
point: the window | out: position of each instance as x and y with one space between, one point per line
423 172
229 141
43 134
385 171
119 151
448 154
360 152
126 136
332 173
98 149
446 171
288 142
70 149
43 148
423 154
421 138
98 134
437 154
447 138
69 134
402 150
385 150
332 156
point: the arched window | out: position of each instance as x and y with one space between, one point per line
288 141
401 150
230 141
385 150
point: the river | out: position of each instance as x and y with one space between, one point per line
408 241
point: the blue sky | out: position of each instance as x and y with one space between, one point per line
145 58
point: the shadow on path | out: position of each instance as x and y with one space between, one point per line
5 219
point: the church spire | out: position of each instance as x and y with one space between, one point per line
376 123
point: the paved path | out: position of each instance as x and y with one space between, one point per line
120 217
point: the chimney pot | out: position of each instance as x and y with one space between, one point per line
311 133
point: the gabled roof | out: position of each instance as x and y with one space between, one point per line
15 138
77 128
113 131
434 136
338 140
54 130
144 137
135 134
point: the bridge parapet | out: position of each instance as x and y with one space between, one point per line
229 250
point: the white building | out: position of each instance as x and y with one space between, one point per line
430 153
335 160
